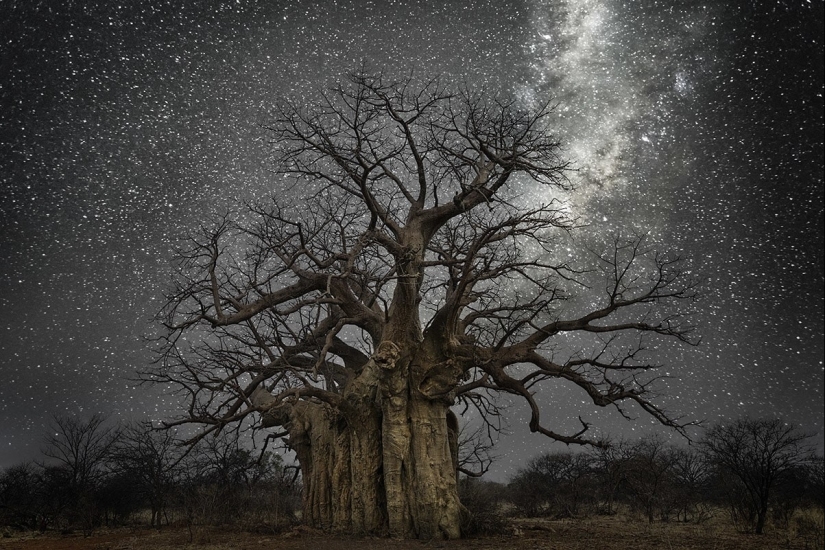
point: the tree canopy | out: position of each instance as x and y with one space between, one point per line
409 261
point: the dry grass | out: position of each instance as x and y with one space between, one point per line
806 532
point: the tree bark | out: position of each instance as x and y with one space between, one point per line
384 462
761 515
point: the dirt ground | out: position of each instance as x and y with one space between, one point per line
603 533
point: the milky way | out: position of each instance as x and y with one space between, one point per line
123 126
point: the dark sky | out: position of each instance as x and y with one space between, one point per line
122 126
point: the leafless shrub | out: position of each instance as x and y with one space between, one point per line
483 502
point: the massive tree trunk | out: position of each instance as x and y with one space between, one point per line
384 461
419 467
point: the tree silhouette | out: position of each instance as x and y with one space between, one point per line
151 459
400 269
81 448
79 452
757 454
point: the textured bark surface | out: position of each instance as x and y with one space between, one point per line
382 464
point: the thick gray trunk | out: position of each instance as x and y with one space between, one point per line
383 464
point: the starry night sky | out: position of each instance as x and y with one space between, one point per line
122 126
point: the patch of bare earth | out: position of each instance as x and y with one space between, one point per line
600 533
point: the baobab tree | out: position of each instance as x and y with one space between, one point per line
398 271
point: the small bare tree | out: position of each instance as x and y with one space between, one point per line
552 484
398 272
81 447
80 451
691 484
610 464
19 504
151 459
648 472
758 454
